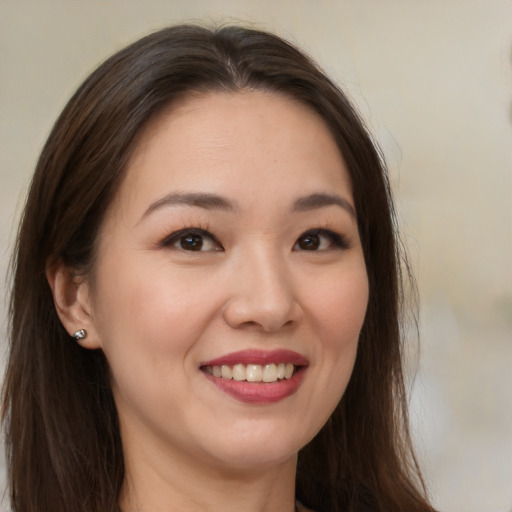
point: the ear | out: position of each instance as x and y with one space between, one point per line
71 296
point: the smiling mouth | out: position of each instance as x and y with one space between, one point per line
257 376
257 373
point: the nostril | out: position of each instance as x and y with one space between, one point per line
265 308
266 326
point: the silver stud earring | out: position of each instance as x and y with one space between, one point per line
80 335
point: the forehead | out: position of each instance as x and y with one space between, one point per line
235 143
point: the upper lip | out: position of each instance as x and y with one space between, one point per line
258 357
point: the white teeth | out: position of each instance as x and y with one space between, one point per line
227 372
253 372
239 372
270 373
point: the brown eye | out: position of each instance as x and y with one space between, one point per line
320 240
191 242
309 243
192 239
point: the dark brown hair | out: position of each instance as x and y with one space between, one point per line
63 443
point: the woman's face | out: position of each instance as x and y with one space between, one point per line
230 250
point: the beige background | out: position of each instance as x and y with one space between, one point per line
433 78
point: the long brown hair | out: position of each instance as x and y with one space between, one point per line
62 435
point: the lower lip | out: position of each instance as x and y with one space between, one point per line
259 392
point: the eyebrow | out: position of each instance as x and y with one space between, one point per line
209 201
199 199
321 200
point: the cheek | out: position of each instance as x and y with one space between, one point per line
138 295
149 322
147 317
340 312
340 306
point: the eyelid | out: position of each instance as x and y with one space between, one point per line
338 241
175 236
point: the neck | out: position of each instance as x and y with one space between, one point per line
166 483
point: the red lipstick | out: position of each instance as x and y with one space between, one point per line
258 392
258 357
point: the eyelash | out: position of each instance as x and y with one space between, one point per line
335 240
179 236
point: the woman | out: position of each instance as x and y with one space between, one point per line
206 293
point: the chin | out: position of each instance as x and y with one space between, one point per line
258 448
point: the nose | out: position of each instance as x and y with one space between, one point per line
262 294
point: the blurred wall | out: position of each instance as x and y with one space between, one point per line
433 79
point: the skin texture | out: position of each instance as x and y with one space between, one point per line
159 310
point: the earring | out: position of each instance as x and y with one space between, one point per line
80 334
